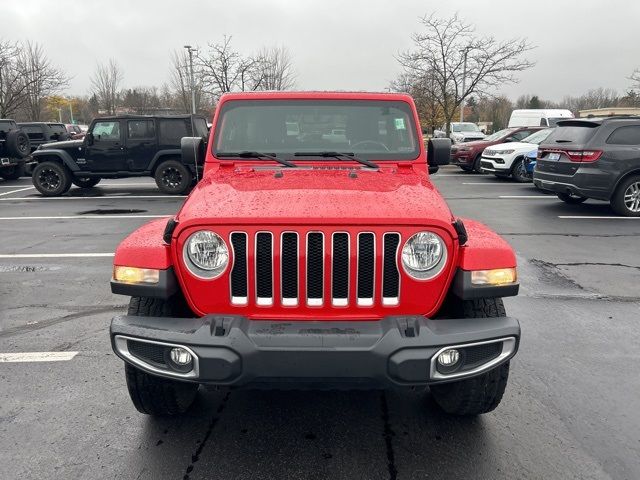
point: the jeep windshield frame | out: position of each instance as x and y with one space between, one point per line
295 129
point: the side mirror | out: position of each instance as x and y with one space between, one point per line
438 153
193 150
88 138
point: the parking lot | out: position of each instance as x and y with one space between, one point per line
570 410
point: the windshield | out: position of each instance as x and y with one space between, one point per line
464 127
538 137
379 130
500 134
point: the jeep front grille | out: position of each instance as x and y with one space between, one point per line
323 260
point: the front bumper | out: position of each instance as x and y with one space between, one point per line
395 351
491 165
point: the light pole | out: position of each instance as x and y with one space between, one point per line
464 81
191 50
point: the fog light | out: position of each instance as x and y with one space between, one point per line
449 357
499 276
136 275
180 356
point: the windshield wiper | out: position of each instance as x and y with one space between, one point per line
259 155
339 156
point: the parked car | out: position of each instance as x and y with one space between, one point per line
313 265
467 155
42 132
74 131
530 162
593 158
538 117
14 149
120 147
507 159
461 132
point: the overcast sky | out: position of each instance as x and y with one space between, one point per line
336 44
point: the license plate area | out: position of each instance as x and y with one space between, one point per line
554 156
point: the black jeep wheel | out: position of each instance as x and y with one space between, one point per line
150 394
519 171
12 173
17 144
86 182
51 179
626 199
571 199
173 177
483 393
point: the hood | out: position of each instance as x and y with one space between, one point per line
317 195
515 146
63 144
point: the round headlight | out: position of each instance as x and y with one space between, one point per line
424 255
206 254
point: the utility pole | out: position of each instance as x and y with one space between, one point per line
70 112
464 81
59 114
191 50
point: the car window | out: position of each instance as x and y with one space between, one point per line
522 134
499 134
629 135
171 130
34 132
57 128
575 133
538 137
106 131
137 129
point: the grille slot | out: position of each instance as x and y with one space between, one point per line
289 268
264 268
239 283
340 269
315 268
390 273
366 268
149 352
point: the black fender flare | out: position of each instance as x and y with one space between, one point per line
159 157
622 178
62 155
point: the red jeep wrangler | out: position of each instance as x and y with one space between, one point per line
315 253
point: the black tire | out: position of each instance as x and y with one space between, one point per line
476 165
150 394
173 178
571 199
12 173
626 199
483 393
85 182
466 168
17 144
51 179
519 171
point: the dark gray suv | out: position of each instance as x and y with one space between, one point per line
593 158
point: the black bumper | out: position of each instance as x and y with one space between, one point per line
571 185
236 351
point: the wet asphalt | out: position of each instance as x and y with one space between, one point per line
571 409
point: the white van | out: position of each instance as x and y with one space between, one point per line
538 118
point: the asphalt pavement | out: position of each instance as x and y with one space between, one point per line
570 410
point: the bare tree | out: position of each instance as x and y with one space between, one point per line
41 78
444 48
180 81
275 69
423 88
12 82
105 83
635 78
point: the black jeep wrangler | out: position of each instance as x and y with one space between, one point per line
14 149
120 147
44 132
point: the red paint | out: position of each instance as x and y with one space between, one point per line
236 196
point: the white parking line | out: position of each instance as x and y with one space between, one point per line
107 197
36 357
16 191
588 217
75 217
529 197
497 184
56 255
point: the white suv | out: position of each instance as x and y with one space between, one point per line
507 159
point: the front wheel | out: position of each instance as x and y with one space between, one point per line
86 182
483 393
519 172
571 199
173 178
51 179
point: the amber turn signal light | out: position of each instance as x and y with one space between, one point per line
136 275
499 276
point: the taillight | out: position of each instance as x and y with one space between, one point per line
583 155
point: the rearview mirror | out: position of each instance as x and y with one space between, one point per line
438 153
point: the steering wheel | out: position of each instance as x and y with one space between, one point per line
372 142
